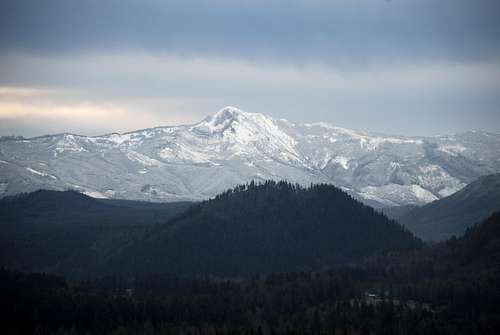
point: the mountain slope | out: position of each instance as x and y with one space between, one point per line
452 215
67 231
272 227
479 248
233 147
396 212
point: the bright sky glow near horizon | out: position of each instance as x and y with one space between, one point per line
413 67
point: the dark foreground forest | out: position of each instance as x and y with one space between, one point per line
449 288
388 282
347 301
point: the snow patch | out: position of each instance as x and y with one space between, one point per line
143 159
185 154
422 194
435 178
395 194
453 150
95 194
342 161
67 143
119 138
43 174
110 193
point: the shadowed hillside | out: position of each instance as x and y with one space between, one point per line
269 227
67 232
452 215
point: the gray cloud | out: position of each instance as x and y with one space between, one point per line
400 66
149 90
343 32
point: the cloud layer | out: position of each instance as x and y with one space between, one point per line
427 66
347 31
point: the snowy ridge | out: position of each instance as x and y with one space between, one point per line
232 146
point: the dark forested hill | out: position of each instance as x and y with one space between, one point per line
447 288
270 227
479 248
450 288
452 215
70 207
475 252
67 232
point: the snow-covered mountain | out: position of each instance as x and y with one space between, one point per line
192 162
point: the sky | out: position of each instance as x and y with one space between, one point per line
411 67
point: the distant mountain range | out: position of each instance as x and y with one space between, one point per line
441 219
270 227
194 162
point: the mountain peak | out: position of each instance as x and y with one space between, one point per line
230 110
224 115
221 120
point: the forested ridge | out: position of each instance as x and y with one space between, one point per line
263 228
445 288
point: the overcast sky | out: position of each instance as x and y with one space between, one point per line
421 67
